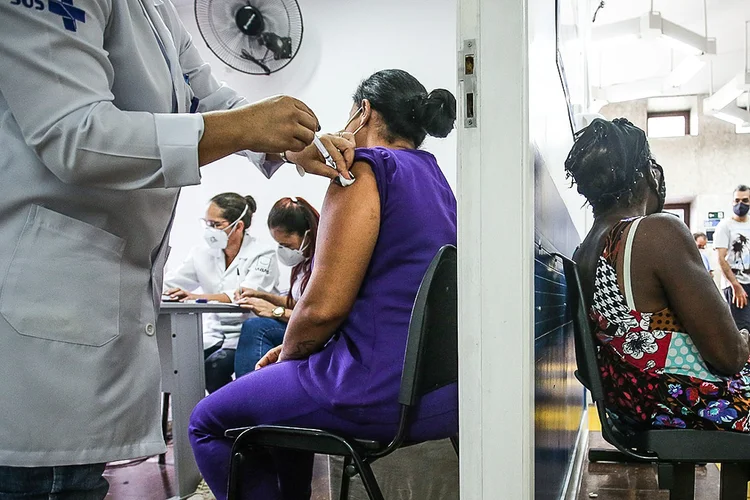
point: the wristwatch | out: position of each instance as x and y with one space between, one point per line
278 312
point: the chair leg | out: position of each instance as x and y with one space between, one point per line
164 424
368 478
454 442
344 494
370 483
679 479
734 479
235 476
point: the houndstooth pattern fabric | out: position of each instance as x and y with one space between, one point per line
609 302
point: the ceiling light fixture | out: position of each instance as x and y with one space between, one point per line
727 94
652 25
684 72
723 103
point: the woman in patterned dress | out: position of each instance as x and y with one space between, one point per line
669 352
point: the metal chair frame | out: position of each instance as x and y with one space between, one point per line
431 362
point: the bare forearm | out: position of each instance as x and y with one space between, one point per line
727 271
307 333
215 297
221 136
277 300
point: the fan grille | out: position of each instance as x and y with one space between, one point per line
216 23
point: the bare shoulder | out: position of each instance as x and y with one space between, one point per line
668 223
664 234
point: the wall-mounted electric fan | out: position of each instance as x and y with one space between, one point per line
257 37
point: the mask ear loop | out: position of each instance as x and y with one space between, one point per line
234 224
302 246
354 117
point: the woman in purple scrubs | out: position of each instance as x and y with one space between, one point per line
339 367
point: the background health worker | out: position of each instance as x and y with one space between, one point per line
97 139
293 223
230 258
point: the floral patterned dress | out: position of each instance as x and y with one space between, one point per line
654 376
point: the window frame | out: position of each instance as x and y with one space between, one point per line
668 114
685 207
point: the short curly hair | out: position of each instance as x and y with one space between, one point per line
607 161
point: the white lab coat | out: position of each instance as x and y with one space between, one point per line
92 159
206 268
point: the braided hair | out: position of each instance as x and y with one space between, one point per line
607 162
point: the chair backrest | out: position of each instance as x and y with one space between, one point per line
431 359
586 358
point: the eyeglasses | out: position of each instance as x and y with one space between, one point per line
216 224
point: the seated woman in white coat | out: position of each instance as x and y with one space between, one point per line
230 260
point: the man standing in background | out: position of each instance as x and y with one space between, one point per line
731 241
700 241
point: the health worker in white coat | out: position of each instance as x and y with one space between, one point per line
230 259
97 137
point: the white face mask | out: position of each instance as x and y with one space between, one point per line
217 239
290 257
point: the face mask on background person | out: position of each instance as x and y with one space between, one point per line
289 256
741 209
217 239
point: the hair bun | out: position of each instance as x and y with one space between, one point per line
251 205
436 112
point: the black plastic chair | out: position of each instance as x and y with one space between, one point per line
431 362
674 451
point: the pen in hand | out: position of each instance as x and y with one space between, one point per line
238 294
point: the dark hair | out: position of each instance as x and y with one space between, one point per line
607 161
296 215
742 187
232 205
699 235
407 109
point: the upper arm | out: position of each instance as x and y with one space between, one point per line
52 63
348 231
669 249
59 93
262 273
722 235
213 95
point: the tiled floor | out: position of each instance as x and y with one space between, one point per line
608 481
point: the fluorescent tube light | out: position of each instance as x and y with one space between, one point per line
622 92
731 118
650 26
727 94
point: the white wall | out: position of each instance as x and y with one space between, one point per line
702 169
344 42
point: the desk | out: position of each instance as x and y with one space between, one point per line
179 335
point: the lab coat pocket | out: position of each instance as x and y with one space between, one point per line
63 282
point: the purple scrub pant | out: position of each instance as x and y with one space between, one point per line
274 395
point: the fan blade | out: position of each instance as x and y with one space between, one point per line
249 57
